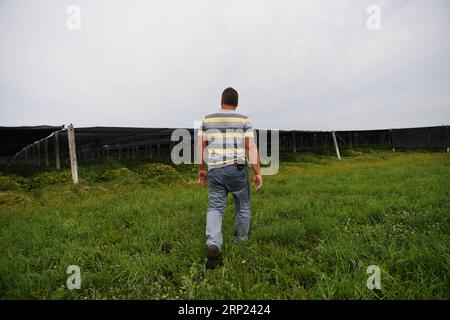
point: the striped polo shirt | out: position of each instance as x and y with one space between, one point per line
225 132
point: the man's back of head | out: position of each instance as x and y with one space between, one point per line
230 98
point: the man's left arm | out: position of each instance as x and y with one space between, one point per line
202 144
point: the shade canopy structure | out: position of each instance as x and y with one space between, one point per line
99 142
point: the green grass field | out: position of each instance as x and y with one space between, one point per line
137 231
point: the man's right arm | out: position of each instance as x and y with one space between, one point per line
202 171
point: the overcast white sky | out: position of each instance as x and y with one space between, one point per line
310 65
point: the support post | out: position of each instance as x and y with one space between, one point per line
315 142
38 146
57 157
47 163
73 153
391 140
447 147
294 144
336 145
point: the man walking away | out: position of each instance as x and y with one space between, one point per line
226 143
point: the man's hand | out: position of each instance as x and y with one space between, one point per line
202 177
257 181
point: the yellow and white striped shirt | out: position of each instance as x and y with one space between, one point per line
225 132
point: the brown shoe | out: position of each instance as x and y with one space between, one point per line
214 257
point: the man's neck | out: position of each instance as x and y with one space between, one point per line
228 107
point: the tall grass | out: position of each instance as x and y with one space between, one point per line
137 231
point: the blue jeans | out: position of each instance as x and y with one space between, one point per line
222 181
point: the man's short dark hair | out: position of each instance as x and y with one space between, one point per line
230 97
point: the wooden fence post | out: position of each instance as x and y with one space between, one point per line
336 145
73 153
